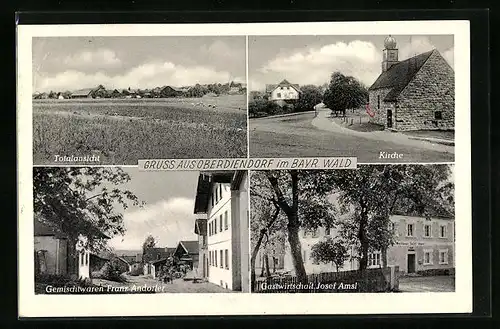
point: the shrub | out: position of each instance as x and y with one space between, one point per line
112 271
262 107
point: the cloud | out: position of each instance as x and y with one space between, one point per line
148 75
420 45
167 221
98 58
220 49
314 66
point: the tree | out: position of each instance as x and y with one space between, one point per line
310 96
344 92
149 243
262 107
371 194
329 251
197 91
78 201
301 195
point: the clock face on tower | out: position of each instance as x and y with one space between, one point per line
392 56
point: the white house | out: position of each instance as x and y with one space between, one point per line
283 91
421 244
53 252
223 198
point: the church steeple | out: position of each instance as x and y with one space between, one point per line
390 53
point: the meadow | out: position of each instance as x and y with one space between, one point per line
121 131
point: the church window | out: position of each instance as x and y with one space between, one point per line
378 101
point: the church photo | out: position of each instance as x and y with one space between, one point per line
382 98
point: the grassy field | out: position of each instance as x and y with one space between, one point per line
121 131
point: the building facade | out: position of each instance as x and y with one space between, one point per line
283 91
415 94
223 198
421 245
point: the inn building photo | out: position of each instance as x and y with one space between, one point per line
343 230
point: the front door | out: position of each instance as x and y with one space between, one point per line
411 263
389 118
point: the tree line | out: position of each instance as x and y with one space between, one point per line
341 93
198 90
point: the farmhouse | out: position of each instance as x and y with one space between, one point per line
154 258
421 245
283 91
88 92
169 91
222 199
56 253
415 94
187 251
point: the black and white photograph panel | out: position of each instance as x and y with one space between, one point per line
381 98
114 100
381 228
118 230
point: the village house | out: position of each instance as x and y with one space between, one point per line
88 92
283 91
422 245
188 252
55 254
155 258
415 94
224 240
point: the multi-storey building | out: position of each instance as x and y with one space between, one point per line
420 245
224 240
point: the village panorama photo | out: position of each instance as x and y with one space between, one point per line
114 100
380 228
118 230
381 98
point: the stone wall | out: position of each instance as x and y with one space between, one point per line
432 89
380 116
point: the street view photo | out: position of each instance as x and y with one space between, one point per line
380 228
114 100
117 230
381 98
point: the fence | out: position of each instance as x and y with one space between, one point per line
373 280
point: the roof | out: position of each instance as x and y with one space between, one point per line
200 226
191 247
284 83
399 75
205 183
174 88
82 92
159 261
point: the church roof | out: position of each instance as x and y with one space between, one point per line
399 75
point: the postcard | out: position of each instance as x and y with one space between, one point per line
244 169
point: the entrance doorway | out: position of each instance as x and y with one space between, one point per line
411 263
389 118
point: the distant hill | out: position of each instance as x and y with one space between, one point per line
128 252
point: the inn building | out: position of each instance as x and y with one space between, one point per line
422 245
221 205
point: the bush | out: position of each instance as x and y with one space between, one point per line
262 107
136 271
112 271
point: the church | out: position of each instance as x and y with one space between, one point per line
415 94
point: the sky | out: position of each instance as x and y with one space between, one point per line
312 59
71 63
168 213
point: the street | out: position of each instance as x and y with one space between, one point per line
427 284
308 135
177 286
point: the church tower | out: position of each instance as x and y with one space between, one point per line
390 54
